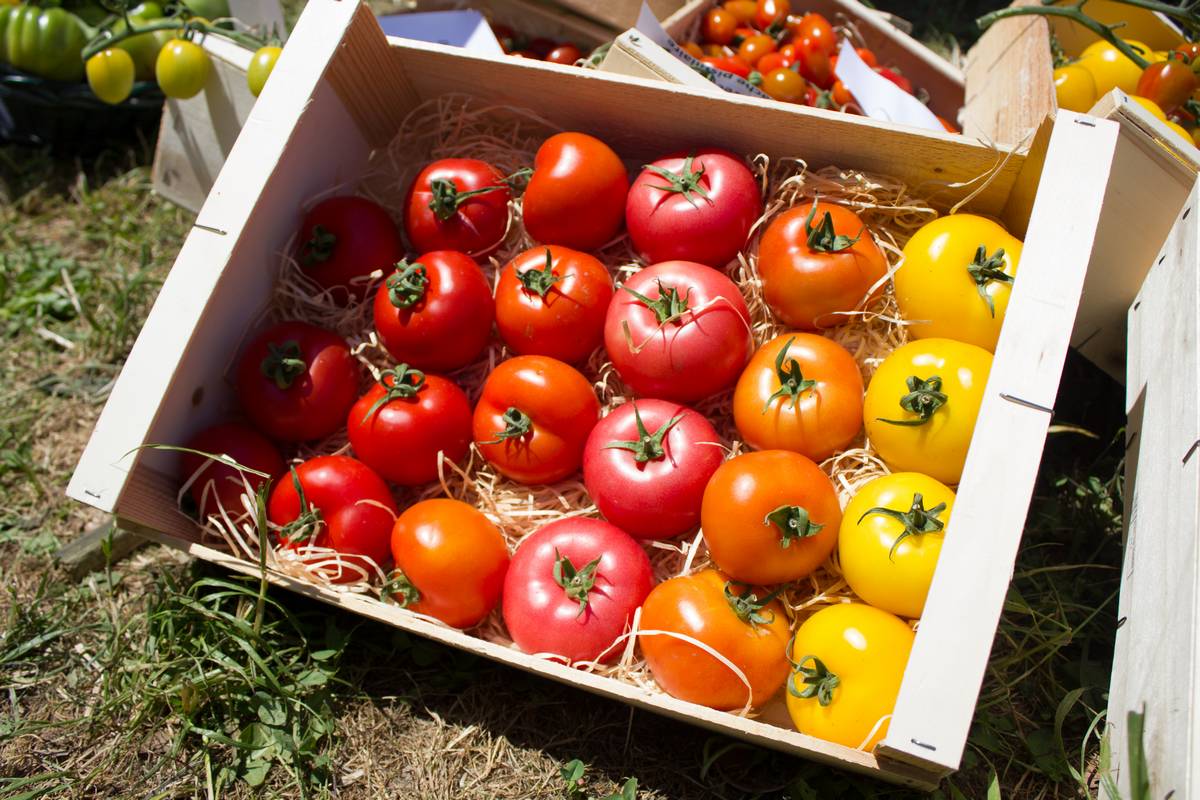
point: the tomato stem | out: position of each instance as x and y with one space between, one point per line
793 523
183 22
924 397
823 238
307 523
319 247
648 446
576 582
916 521
540 281
516 424
747 606
668 307
406 287
985 269
792 382
447 197
1075 12
405 383
400 590
819 681
686 181
283 363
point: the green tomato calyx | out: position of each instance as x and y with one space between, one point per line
406 286
540 281
319 247
792 382
401 383
399 590
985 269
823 238
748 607
445 197
794 524
575 582
516 424
685 182
307 524
924 398
916 521
648 446
283 363
668 307
817 681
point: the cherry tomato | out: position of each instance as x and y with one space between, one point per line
1189 50
343 240
216 486
576 196
770 12
814 62
771 62
841 95
564 54
721 51
435 313
646 465
572 589
1169 84
696 206
849 661
533 419
1074 88
922 403
785 85
262 64
403 422
800 392
743 10
739 622
110 75
694 50
718 26
296 382
948 125
551 301
755 47
181 69
817 262
450 562
867 56
817 28
731 64
678 331
457 204
338 503
770 517
896 78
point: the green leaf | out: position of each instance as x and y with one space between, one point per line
272 714
1139 769
255 771
993 790
572 772
1043 746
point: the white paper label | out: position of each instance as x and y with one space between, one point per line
652 29
467 29
878 97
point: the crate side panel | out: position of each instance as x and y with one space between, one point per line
1009 81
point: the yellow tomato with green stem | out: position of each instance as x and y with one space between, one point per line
181 69
1074 88
847 664
890 539
1111 68
956 279
110 75
922 403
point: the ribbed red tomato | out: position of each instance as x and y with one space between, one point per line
576 196
216 486
344 239
457 204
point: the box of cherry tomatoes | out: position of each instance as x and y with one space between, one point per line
710 405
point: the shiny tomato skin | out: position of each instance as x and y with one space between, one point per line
785 85
707 224
771 62
695 606
542 618
314 402
454 556
814 62
749 546
743 10
816 27
567 322
576 196
401 438
219 486
658 498
449 326
1169 84
562 410
566 54
896 78
344 239
718 26
867 56
699 353
768 12
805 288
476 225
356 508
731 64
755 47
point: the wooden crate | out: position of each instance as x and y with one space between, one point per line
925 68
342 89
533 18
619 15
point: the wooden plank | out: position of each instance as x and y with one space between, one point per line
634 55
1156 666
86 553
531 18
620 14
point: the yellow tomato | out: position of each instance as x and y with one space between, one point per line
921 406
848 661
1158 55
1074 88
1149 105
181 69
1182 131
1110 68
956 278
110 75
890 539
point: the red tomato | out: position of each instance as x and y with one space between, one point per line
457 204
335 502
841 95
216 486
896 78
867 56
564 54
646 464
401 424
770 517
296 382
344 239
814 62
551 301
435 313
770 12
534 417
678 331
572 588
718 26
817 28
1189 50
695 206
785 85
741 623
771 62
816 262
732 64
755 47
576 196
450 562
1169 84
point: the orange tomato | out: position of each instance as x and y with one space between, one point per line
694 50
770 12
718 26
784 84
771 62
742 10
755 47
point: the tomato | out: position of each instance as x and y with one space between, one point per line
1169 84
922 403
541 46
404 421
785 85
956 279
867 56
696 206
45 42
890 539
110 75
770 517
816 27
771 12
576 196
1179 129
181 69
1189 50
720 51
1149 105
744 624
450 562
801 392
435 313
814 62
841 95
678 331
572 588
1110 68
896 78
143 47
694 50
564 54
811 273
533 419
1074 88
849 660
743 10
335 502
343 240
262 64
646 465
209 9
771 62
755 47
948 125
551 301
457 204
296 382
731 64
216 486
718 26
